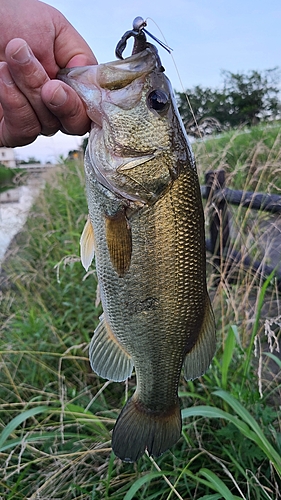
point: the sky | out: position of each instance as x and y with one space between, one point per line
207 36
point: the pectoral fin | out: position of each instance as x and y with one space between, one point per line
108 357
87 245
119 242
131 163
197 360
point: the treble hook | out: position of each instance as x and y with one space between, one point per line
138 32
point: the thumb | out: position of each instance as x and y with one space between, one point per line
81 60
70 47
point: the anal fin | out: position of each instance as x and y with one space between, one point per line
107 356
198 359
119 241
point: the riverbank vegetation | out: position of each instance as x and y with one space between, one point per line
56 415
10 177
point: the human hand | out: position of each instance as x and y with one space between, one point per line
31 101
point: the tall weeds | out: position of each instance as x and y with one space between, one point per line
56 415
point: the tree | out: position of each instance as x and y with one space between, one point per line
30 160
253 96
245 98
202 104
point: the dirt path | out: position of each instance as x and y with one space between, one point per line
13 214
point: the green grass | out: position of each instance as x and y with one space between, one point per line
56 416
9 177
251 157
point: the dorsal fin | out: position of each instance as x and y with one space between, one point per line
119 241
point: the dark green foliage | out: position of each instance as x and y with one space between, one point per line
30 160
243 99
84 143
8 177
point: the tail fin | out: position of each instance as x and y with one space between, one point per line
138 429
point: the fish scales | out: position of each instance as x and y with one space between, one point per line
147 229
162 249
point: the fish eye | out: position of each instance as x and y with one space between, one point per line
158 100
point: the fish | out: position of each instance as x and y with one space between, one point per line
146 232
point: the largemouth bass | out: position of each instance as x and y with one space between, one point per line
146 228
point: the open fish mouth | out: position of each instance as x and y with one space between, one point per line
109 89
116 75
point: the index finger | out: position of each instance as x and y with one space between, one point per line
18 122
30 76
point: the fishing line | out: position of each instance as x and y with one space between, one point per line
178 74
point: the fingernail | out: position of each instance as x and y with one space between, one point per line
59 97
5 74
22 55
